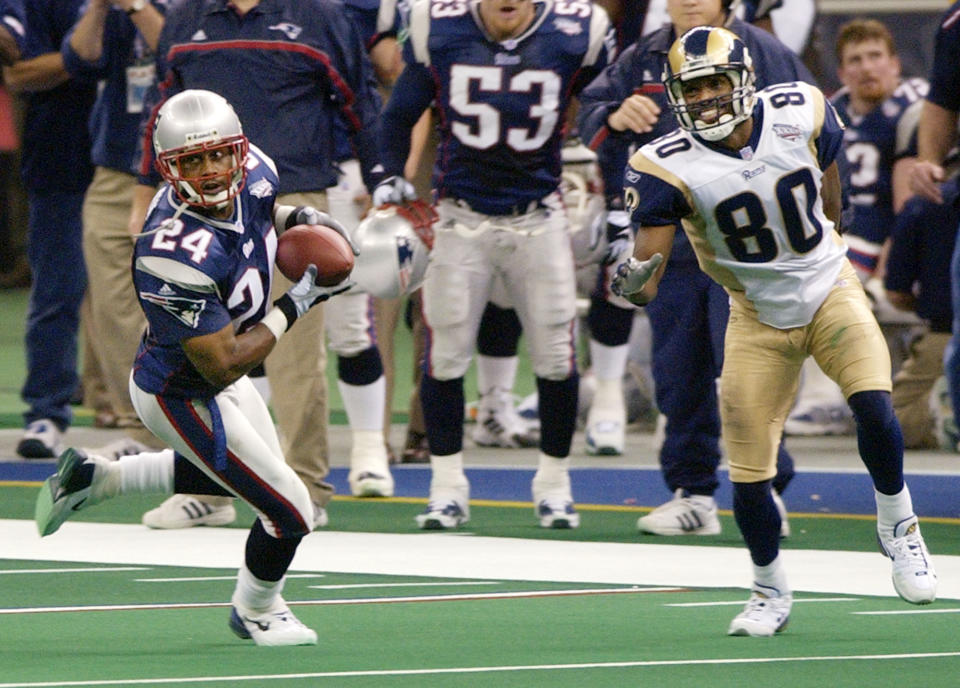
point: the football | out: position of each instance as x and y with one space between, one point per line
302 245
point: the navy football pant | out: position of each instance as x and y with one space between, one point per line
53 315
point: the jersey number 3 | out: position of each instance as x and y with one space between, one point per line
487 127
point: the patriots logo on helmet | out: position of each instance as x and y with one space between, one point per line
185 310
405 257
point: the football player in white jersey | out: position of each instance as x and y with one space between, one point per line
752 178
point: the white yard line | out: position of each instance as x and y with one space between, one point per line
483 670
438 555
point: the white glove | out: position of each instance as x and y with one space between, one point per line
308 215
306 293
619 236
633 274
393 190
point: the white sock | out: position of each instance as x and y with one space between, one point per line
368 444
772 575
891 509
254 594
495 372
146 473
447 471
364 404
608 362
552 470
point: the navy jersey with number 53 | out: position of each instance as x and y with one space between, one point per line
194 275
501 104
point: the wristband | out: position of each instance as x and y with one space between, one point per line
276 322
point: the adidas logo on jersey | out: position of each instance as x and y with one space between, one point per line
199 36
261 188
165 290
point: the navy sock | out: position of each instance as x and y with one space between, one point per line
879 439
758 520
442 402
557 400
268 558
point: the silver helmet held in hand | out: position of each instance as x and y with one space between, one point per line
192 122
394 243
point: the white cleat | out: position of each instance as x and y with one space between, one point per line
41 440
370 471
275 628
448 508
914 577
782 510
767 612
553 503
606 428
820 420
499 424
187 511
682 515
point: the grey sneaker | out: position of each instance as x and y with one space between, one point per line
78 483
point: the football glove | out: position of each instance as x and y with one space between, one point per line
306 293
632 275
619 236
393 190
308 215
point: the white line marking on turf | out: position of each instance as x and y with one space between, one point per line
740 602
194 579
400 585
363 600
483 669
98 569
912 611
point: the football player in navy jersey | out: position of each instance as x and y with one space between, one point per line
936 135
881 112
752 177
502 73
202 270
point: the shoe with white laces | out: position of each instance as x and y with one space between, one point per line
186 511
685 514
81 480
820 420
448 508
782 510
914 577
767 612
41 440
277 627
370 469
606 427
553 503
499 424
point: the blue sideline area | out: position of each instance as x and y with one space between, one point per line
810 492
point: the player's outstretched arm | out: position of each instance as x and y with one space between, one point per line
637 279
